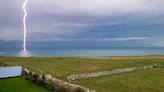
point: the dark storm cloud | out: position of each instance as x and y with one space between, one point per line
99 19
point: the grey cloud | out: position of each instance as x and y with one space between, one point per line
74 19
97 7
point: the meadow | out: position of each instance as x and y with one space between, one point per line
148 80
19 85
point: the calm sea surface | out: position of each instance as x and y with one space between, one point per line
84 52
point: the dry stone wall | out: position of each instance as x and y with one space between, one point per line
57 84
117 71
63 86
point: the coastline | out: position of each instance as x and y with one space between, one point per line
124 57
98 57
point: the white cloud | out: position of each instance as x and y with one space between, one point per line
97 7
127 38
101 39
71 24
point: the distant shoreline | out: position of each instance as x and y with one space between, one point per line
101 57
124 57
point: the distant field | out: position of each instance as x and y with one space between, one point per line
149 80
19 85
62 67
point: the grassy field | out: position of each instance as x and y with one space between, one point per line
150 80
19 85
63 67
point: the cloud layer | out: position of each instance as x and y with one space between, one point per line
99 7
99 20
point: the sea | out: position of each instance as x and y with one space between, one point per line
115 51
47 51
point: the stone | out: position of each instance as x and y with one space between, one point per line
102 73
47 79
25 72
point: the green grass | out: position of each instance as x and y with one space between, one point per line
148 80
19 85
63 67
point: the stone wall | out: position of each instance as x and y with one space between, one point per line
117 71
63 86
57 84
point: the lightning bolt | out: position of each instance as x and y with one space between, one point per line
24 24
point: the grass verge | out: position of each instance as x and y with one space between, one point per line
148 80
19 85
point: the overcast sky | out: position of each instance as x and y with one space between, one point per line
123 22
